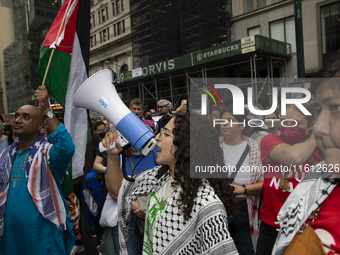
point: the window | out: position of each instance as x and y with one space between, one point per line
284 30
114 30
118 6
92 41
122 5
108 33
91 22
119 28
104 35
99 17
254 31
261 3
123 26
92 2
113 9
124 68
100 37
95 40
330 28
248 5
103 15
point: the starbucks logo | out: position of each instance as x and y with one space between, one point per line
199 56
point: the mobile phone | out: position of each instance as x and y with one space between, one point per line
184 101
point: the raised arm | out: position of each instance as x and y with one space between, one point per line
41 97
295 154
63 148
109 190
114 174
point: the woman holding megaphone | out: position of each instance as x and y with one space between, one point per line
182 214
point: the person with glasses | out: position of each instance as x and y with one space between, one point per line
319 191
147 114
183 215
287 158
164 108
271 121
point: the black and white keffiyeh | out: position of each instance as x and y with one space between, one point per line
305 198
206 232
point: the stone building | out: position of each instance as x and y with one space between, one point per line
30 23
275 19
110 41
6 37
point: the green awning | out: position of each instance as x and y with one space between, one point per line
251 44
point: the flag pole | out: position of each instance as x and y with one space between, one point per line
56 41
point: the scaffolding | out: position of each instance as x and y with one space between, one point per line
260 59
164 29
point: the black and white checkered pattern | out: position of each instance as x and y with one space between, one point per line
312 191
205 231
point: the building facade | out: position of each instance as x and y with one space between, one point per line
6 37
275 19
237 62
129 34
165 30
31 20
162 30
110 40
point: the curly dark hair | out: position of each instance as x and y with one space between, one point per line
200 140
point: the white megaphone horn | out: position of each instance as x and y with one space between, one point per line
99 94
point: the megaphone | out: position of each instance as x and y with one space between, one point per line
99 94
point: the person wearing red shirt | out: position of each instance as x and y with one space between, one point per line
320 189
286 159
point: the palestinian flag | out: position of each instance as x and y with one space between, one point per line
69 69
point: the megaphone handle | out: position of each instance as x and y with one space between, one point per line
130 179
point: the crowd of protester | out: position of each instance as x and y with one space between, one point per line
165 210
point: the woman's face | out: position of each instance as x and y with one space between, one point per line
268 120
165 143
230 129
215 115
293 114
327 126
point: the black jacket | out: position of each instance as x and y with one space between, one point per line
162 122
